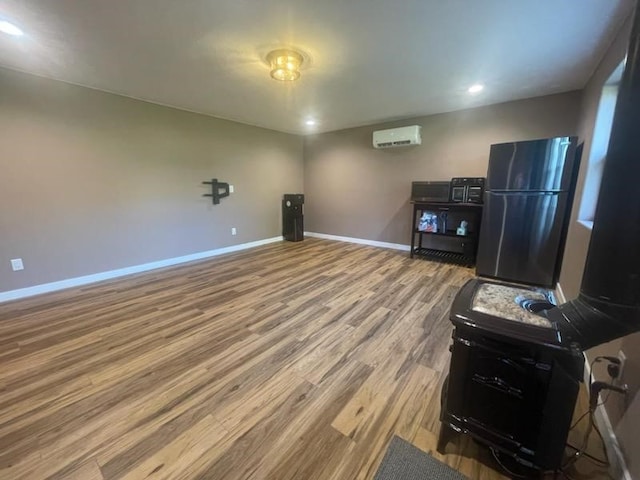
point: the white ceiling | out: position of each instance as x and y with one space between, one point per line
367 61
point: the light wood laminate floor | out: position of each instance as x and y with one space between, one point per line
289 361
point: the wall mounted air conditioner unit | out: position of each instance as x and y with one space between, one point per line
398 137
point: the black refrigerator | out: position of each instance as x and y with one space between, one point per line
527 204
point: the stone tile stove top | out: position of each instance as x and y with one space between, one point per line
507 302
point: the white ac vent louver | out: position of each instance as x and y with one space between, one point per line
398 137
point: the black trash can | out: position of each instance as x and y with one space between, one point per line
292 217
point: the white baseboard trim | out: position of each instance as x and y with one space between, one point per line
362 241
120 272
618 468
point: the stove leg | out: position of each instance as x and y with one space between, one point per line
446 433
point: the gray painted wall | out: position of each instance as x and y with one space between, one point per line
354 190
92 181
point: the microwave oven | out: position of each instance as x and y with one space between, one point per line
430 192
467 189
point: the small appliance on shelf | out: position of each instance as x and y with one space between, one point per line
434 191
467 189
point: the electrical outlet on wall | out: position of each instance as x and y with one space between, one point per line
231 189
16 264
233 230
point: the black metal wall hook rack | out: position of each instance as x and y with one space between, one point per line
216 186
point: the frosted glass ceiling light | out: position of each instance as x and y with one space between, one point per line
285 65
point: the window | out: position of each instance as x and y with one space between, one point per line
599 147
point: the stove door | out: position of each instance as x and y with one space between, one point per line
500 392
498 386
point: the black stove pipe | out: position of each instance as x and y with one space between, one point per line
608 306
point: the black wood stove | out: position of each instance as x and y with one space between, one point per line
513 380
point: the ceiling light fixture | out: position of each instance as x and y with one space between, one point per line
477 88
310 123
10 29
285 65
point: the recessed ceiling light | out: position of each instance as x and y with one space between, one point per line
477 88
310 123
10 29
